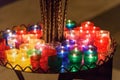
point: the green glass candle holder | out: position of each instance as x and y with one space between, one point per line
75 57
89 60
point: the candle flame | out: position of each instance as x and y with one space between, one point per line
62 51
68 45
81 31
23 59
14 54
76 49
62 47
90 46
86 25
90 56
87 31
90 51
93 31
74 55
101 41
33 54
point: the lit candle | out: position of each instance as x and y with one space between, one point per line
90 49
35 60
24 48
6 34
37 42
48 51
28 37
87 25
23 61
36 30
2 44
71 42
70 24
101 56
72 34
75 56
90 55
90 60
12 41
44 63
29 52
68 45
39 48
34 27
12 56
62 54
96 28
45 54
83 43
102 41
2 50
20 29
65 65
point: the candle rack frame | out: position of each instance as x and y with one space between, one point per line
102 71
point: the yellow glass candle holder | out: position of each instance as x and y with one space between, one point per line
12 56
27 38
23 61
25 47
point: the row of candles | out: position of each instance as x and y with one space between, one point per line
86 44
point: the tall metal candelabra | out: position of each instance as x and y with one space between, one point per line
53 13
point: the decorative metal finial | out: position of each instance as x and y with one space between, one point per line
53 14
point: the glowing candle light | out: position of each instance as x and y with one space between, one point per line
20 29
62 54
23 61
39 47
28 37
101 56
2 44
85 44
12 41
35 60
48 51
89 59
90 55
36 30
2 50
12 56
70 24
102 41
6 34
87 25
24 48
36 42
44 63
75 56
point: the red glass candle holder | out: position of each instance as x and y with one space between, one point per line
35 61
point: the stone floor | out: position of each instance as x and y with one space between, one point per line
104 13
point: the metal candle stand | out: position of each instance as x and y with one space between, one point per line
100 72
53 14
